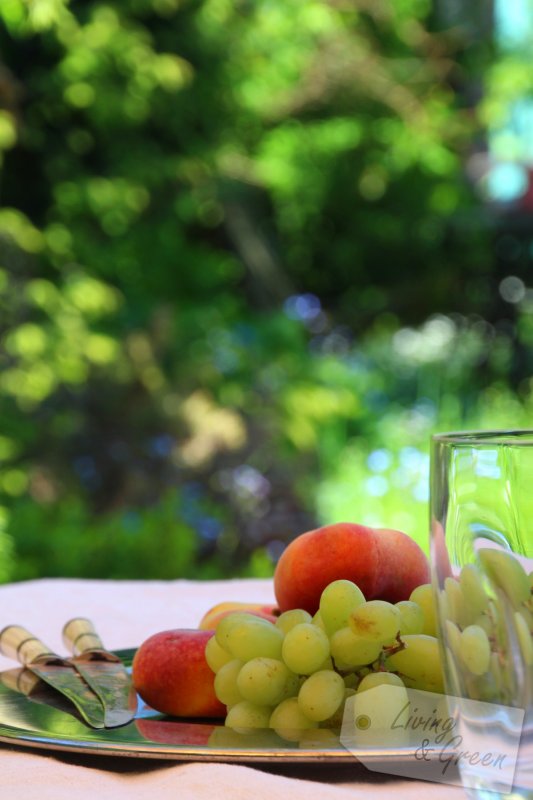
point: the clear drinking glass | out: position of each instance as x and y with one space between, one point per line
482 559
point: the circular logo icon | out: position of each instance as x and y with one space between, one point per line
362 722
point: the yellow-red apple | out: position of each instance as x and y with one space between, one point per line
171 674
212 617
384 564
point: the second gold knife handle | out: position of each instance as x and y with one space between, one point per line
18 643
79 636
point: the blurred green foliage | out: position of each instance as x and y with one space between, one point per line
243 277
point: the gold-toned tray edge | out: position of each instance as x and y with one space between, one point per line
186 754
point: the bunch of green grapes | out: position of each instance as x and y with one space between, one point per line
296 674
488 625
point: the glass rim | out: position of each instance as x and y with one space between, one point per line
520 437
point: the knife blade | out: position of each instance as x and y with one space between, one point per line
103 671
24 681
18 643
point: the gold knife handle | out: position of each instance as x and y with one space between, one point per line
79 636
20 679
18 643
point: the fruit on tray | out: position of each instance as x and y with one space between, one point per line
296 674
171 674
264 658
212 617
383 563
292 668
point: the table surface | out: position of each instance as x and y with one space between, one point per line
125 613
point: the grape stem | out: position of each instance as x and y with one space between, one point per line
390 649
341 672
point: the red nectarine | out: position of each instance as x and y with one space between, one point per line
402 562
316 558
171 674
384 564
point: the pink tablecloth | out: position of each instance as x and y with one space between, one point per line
125 614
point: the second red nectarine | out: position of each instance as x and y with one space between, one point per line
171 674
212 617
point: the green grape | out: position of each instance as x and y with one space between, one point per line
527 616
263 681
498 624
227 623
321 695
288 720
455 675
453 638
289 619
524 638
226 683
475 597
318 621
485 622
423 596
506 572
418 663
379 679
362 671
341 667
376 621
337 602
253 638
380 715
350 650
351 680
490 622
411 617
292 686
453 602
319 739
215 655
474 647
248 715
336 719
305 648
481 687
